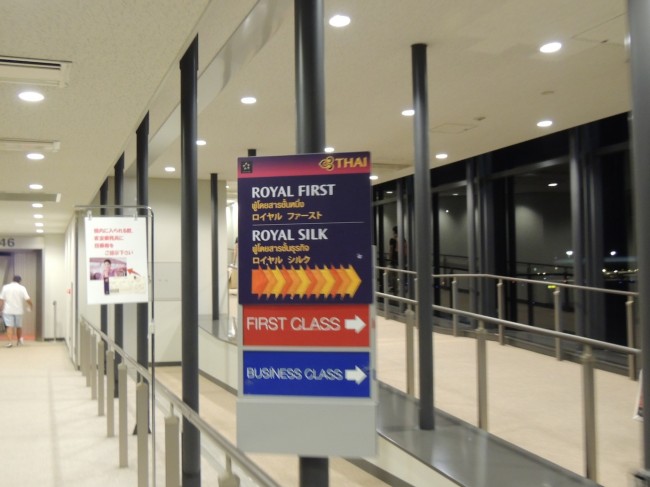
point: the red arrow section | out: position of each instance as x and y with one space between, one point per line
319 325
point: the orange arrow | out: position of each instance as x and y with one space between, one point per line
270 282
355 281
303 280
345 281
258 281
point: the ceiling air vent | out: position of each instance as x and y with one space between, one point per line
34 71
29 145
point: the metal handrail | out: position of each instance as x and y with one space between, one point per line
515 279
257 474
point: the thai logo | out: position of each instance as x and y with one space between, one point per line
327 163
330 163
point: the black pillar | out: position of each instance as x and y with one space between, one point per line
118 200
191 442
103 309
310 137
423 233
638 15
142 161
214 226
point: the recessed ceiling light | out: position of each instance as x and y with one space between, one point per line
373 177
441 155
545 123
170 169
37 205
35 156
35 186
249 100
38 216
38 224
329 149
389 192
201 142
550 47
31 96
39 230
552 185
339 21
408 113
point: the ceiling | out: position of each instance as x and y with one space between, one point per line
488 85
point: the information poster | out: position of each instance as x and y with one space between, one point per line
306 294
116 260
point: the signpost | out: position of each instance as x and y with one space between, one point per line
307 373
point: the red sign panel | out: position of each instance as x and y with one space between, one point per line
345 325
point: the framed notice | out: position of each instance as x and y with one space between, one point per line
116 260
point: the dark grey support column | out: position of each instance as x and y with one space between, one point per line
487 236
471 234
214 226
189 263
423 238
142 161
310 77
103 309
577 225
310 137
118 201
638 15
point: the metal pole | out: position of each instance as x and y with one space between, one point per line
501 310
481 373
101 355
119 308
423 232
122 407
142 421
631 339
189 258
454 300
410 351
214 205
92 370
142 140
589 407
110 394
172 468
638 15
558 324
103 308
310 137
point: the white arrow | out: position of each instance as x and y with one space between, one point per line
357 324
357 375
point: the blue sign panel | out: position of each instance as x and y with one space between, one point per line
325 374
305 233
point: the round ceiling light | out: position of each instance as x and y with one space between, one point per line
31 96
35 156
339 21
544 123
550 47
249 100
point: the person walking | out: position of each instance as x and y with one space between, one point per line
13 298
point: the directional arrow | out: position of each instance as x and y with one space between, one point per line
357 375
357 324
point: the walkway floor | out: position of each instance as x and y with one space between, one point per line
51 435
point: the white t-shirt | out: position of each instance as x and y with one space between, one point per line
14 295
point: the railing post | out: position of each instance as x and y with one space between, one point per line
92 370
409 315
83 353
228 479
142 424
122 433
110 394
589 407
631 339
385 278
481 374
172 450
501 310
454 300
558 323
100 378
